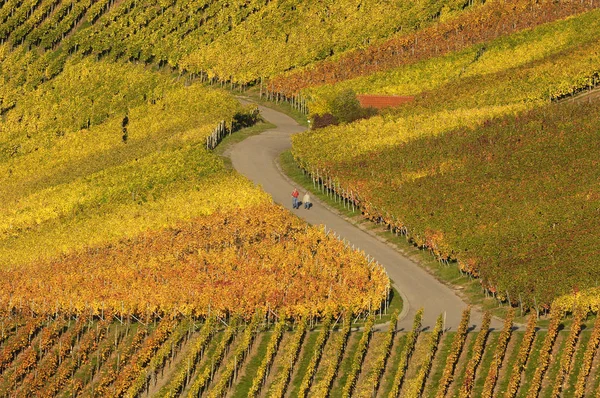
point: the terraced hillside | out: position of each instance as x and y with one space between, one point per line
134 261
478 168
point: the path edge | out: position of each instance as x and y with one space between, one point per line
405 303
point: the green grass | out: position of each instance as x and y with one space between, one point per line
502 384
484 365
344 369
245 382
303 363
546 391
392 365
468 287
204 362
532 362
459 372
569 387
327 351
439 363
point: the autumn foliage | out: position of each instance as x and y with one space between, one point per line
205 267
483 24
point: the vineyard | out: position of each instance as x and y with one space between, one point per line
202 37
459 171
274 356
478 26
134 261
566 42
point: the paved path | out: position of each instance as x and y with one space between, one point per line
256 158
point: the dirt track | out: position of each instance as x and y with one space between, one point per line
256 158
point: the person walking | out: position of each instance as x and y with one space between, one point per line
295 195
306 201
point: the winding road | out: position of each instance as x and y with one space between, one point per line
256 157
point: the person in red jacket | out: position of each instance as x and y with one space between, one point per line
295 195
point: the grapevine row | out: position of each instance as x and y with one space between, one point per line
479 26
263 369
358 359
455 351
588 358
240 354
332 362
164 353
376 372
522 356
545 353
203 379
471 370
499 352
316 357
405 355
415 386
289 361
568 352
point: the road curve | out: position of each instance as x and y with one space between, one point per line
256 157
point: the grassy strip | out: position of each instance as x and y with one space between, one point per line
307 354
553 368
240 136
394 362
439 364
344 368
485 364
283 106
569 390
532 363
245 382
509 364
